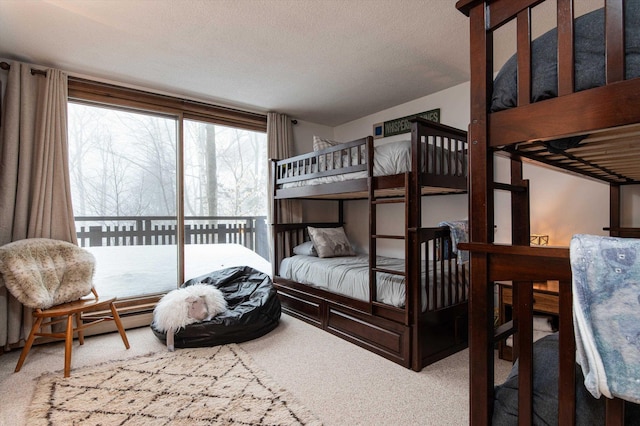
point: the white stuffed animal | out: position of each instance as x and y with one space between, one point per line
187 305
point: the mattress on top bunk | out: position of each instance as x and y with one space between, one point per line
589 54
388 159
349 276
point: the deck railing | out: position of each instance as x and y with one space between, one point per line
98 231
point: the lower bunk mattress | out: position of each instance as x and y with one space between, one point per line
589 410
349 276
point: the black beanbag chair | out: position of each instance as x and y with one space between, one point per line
253 310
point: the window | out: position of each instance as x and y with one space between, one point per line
225 198
159 184
123 179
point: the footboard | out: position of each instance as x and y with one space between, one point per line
447 277
522 265
440 153
440 323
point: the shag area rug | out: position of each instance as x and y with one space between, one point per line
202 386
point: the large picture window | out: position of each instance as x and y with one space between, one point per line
225 197
164 190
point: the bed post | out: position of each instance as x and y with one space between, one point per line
413 220
274 220
480 216
614 210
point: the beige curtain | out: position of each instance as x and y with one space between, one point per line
280 141
35 195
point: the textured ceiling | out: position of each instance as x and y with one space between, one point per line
323 61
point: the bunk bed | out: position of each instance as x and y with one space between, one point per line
581 125
423 318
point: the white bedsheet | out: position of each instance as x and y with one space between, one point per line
349 276
388 159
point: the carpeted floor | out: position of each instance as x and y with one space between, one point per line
201 386
340 383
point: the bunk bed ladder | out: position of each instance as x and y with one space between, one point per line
520 234
374 202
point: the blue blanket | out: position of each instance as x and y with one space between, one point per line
459 234
606 309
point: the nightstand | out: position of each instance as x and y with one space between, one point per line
545 301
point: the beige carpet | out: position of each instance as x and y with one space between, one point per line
339 382
202 386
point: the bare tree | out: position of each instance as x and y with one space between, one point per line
124 163
212 170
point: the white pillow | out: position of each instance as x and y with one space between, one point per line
330 242
305 249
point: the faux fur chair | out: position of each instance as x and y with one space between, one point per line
52 277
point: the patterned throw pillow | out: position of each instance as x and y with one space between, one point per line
318 145
330 242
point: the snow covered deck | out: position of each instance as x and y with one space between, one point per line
126 271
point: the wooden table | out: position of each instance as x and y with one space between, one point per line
545 301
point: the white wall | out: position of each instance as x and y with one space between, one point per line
564 204
453 104
303 133
561 204
630 202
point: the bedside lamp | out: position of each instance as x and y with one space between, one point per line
539 239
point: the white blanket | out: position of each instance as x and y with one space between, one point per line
606 309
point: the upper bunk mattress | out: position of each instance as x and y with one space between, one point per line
589 53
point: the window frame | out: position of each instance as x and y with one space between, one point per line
90 92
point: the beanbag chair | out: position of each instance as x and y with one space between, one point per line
253 309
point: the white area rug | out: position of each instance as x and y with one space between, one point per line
202 386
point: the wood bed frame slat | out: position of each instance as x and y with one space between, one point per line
524 56
565 47
614 36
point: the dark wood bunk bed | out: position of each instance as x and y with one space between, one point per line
603 119
421 331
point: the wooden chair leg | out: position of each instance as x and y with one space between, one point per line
79 328
116 318
68 345
28 343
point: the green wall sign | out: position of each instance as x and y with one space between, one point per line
402 125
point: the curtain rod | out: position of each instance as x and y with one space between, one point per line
6 66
